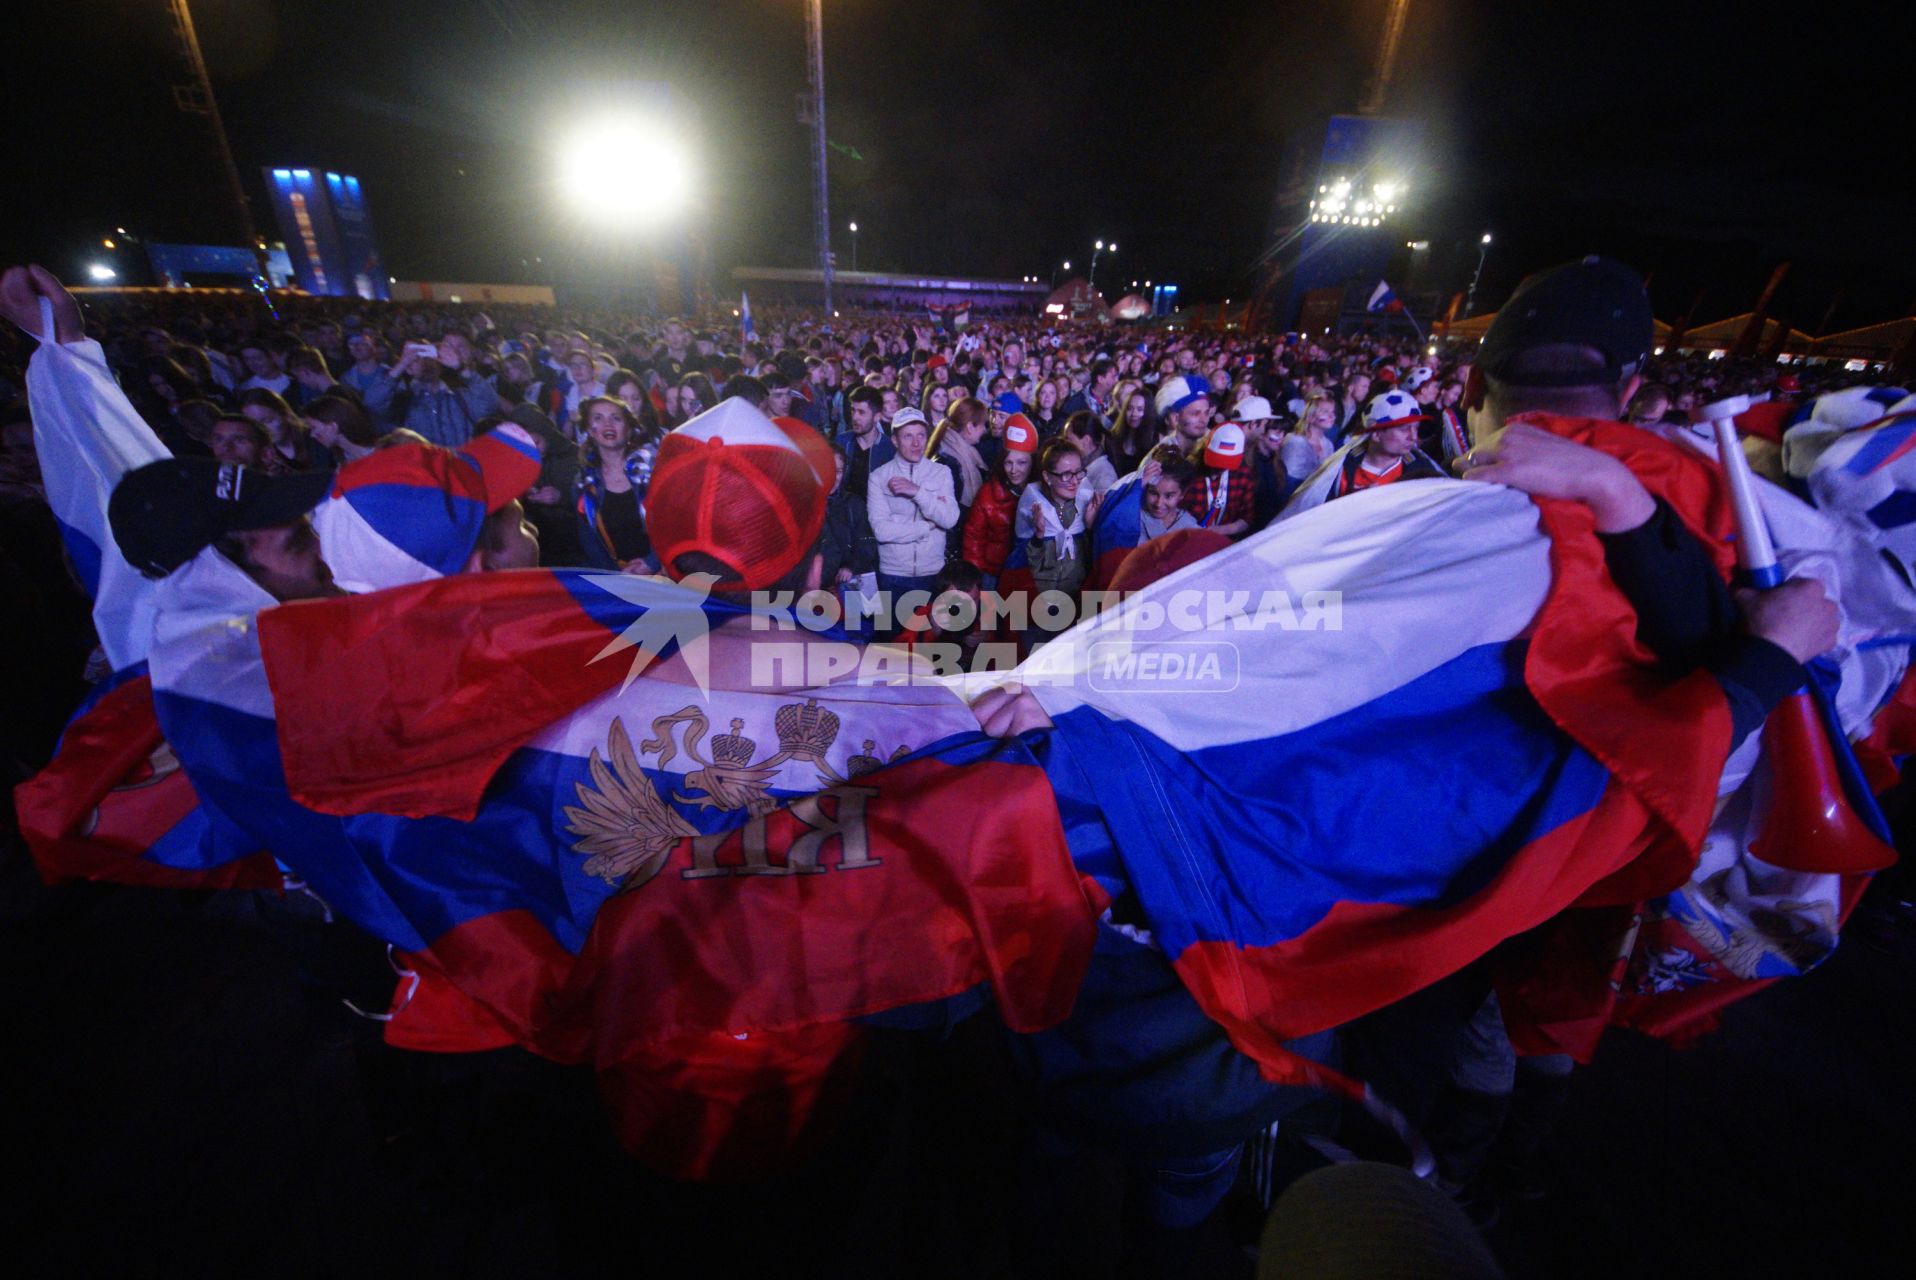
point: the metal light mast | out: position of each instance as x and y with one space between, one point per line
1379 83
821 211
197 98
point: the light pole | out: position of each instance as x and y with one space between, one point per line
854 246
1470 299
1097 250
815 73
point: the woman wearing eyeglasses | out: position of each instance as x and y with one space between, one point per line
1054 516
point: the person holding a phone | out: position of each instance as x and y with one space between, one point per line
430 392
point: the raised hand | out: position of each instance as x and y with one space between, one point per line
21 289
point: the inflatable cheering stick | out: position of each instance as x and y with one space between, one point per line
1808 823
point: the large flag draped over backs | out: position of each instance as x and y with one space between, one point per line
113 804
1367 808
696 898
1475 745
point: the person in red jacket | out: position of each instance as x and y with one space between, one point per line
989 526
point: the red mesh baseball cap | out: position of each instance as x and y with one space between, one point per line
745 489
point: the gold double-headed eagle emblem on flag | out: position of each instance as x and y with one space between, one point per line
626 829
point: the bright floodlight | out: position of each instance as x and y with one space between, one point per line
854 228
1486 237
1067 266
1386 192
625 172
1100 244
100 271
1114 246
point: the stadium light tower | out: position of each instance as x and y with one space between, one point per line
854 246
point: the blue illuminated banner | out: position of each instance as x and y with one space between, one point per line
328 233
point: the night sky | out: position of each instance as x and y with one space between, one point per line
1702 143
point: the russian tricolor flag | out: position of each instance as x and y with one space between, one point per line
699 898
1382 298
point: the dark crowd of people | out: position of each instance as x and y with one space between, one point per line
1025 424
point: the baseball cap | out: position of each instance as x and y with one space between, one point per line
1392 409
909 415
1020 435
1181 390
1594 302
1252 409
1224 447
1008 402
507 460
165 513
747 490
936 362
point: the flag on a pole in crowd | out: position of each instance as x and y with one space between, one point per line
745 328
1383 299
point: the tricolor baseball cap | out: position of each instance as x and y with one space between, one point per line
1179 391
1224 447
165 513
1020 435
747 490
1390 409
506 461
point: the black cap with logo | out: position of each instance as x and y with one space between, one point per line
1595 302
165 513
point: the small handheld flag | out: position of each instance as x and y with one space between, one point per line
746 331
